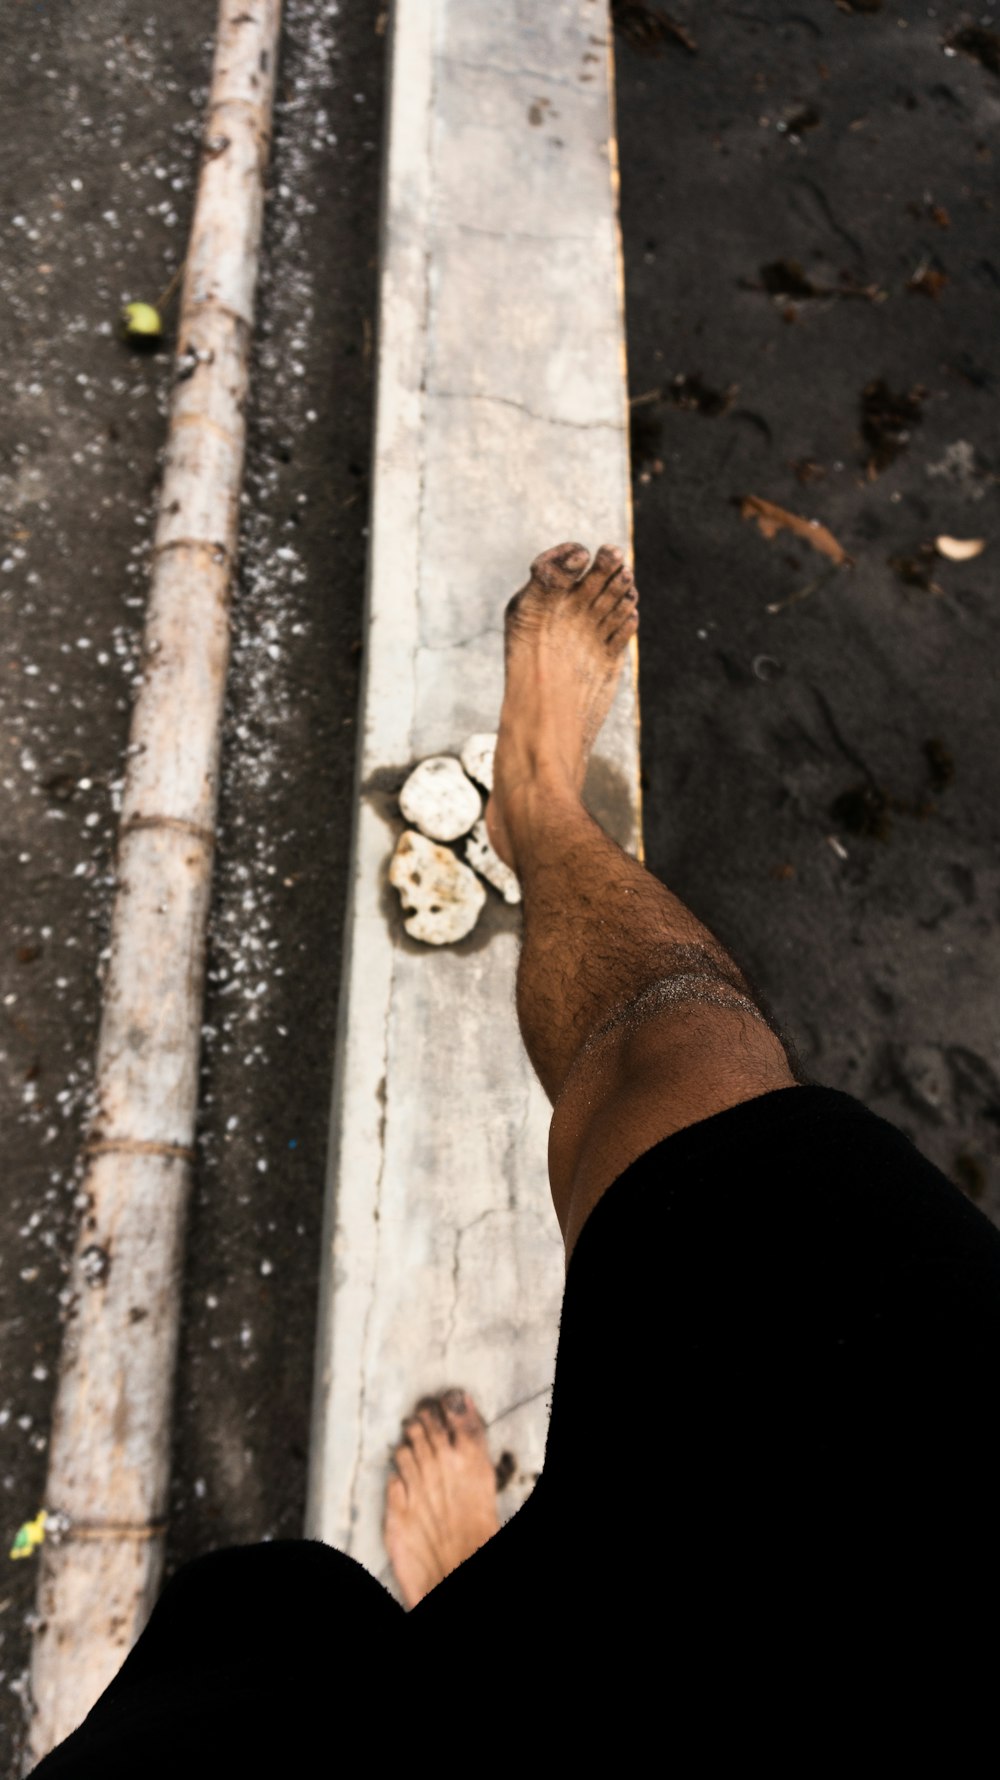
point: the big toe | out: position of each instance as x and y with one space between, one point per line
558 568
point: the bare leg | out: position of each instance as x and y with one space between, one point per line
635 1018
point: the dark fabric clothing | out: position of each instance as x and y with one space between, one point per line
770 1462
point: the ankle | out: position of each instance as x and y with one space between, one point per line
544 799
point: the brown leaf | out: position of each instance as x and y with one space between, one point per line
645 28
886 419
693 393
773 519
928 281
786 278
802 118
917 570
807 470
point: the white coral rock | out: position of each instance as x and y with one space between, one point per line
439 800
477 759
480 852
442 897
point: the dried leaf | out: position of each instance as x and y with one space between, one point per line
917 570
693 393
959 549
886 419
807 470
800 119
787 278
773 519
645 28
929 281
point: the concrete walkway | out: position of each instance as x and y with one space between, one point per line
501 428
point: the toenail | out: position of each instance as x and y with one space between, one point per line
455 1401
574 558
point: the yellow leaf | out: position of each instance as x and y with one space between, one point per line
28 1536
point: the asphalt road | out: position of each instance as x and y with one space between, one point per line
808 214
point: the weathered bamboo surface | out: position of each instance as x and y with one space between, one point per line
107 1486
501 428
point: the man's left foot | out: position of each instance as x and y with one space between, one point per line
441 1500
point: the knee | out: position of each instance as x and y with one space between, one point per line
678 1052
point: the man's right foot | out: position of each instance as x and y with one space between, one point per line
566 636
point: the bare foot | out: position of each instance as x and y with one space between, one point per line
441 1501
566 634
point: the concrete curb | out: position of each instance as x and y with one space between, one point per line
501 428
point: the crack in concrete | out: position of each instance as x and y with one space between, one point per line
522 1403
352 1508
426 326
488 630
474 395
521 235
552 80
459 1232
512 1147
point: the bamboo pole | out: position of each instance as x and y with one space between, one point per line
106 1494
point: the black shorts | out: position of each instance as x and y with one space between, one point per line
772 1455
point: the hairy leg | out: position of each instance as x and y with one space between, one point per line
636 1019
634 1016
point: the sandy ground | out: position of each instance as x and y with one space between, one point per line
819 777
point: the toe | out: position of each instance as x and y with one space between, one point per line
617 587
404 1461
431 1413
558 568
462 1418
395 1494
622 627
417 1437
608 563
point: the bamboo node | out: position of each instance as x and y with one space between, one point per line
135 1146
207 301
176 823
210 425
218 551
61 1527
